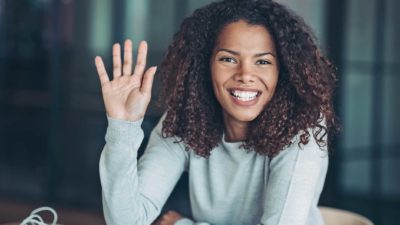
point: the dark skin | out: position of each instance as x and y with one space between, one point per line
243 59
128 94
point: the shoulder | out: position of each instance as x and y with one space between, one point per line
310 152
170 143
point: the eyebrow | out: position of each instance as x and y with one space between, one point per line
238 53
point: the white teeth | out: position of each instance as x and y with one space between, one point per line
244 95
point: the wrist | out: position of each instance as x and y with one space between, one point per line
124 117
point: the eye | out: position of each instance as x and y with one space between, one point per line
227 59
263 62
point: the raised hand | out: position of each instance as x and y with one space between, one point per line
127 95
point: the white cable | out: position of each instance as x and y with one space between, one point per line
35 219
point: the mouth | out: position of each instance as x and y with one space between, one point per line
244 95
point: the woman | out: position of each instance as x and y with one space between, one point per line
248 109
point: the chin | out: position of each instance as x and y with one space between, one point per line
244 116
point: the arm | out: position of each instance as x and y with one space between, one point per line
295 182
134 193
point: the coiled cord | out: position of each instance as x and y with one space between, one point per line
35 219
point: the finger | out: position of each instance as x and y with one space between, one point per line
127 68
101 70
116 60
141 59
148 78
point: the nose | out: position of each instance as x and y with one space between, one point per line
244 74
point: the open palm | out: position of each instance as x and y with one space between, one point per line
127 96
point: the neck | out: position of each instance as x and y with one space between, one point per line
235 130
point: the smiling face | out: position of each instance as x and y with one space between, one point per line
244 71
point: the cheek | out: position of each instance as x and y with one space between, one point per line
218 88
213 73
271 83
215 84
218 77
273 79
274 83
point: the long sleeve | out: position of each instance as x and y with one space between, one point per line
294 185
186 221
134 192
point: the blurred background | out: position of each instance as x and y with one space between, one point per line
52 119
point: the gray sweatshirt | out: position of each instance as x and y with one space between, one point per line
231 187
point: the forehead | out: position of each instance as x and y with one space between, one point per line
242 35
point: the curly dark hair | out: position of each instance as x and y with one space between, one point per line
303 97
